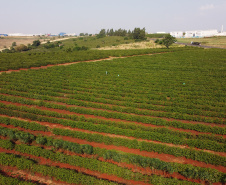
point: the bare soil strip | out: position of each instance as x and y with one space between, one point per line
90 108
26 175
163 157
132 167
54 125
165 118
112 119
70 63
44 161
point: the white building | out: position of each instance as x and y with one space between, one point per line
221 34
200 33
177 34
22 34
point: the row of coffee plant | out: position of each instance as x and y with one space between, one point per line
71 120
186 170
63 174
116 115
6 180
36 59
146 146
76 100
182 113
149 135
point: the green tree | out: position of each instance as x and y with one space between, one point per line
102 33
21 47
139 34
168 40
13 44
111 32
36 43
41 140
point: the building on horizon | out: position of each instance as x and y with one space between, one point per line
177 34
200 33
197 33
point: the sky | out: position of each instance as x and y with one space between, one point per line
90 16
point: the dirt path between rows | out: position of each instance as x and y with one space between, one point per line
162 156
132 167
70 63
132 114
139 123
29 176
55 125
44 161
108 119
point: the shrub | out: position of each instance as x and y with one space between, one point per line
21 47
36 43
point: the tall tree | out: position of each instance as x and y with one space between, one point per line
102 33
36 43
168 40
139 34
111 33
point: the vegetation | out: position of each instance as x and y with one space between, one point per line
110 117
137 34
157 35
33 59
207 41
168 40
5 180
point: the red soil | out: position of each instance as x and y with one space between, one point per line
70 63
164 118
44 161
112 119
134 168
54 125
26 175
163 157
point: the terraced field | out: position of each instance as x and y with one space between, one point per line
152 119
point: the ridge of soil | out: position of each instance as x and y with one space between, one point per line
164 118
70 63
162 156
44 161
133 167
27 176
138 123
101 117
55 125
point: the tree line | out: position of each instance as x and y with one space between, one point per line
137 33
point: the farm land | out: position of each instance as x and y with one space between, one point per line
130 116
209 41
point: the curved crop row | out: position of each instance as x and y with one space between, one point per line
167 138
93 164
169 111
135 118
117 156
131 126
145 146
11 180
65 175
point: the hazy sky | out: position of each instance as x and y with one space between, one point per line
90 16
